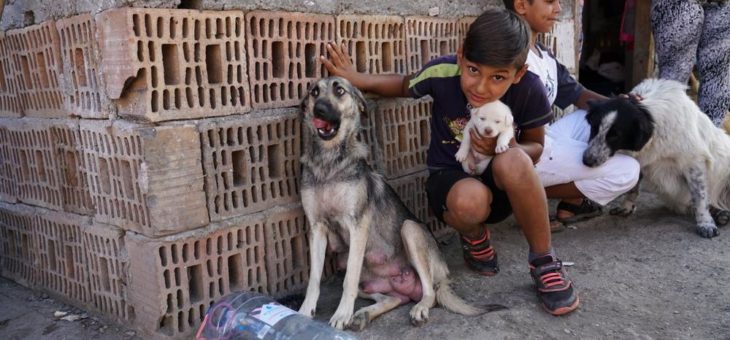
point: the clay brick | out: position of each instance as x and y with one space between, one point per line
464 24
283 55
145 178
9 79
287 251
429 38
40 69
108 267
37 173
62 264
84 96
165 64
69 155
251 163
412 191
8 162
402 129
375 43
176 278
19 256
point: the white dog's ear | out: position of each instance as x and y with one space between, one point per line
508 120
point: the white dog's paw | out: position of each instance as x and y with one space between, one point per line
419 314
461 155
623 210
708 230
307 309
342 318
501 148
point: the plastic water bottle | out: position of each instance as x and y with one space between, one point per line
249 315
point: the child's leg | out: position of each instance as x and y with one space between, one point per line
713 62
514 173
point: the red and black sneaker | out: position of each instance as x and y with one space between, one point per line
479 255
554 290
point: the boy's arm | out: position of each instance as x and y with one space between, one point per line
585 96
387 85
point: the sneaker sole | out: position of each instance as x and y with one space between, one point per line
563 310
479 271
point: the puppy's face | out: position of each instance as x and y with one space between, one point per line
616 124
332 108
492 118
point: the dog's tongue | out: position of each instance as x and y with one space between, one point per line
321 124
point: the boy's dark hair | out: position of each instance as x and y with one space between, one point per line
498 37
510 4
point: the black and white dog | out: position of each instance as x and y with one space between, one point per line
683 156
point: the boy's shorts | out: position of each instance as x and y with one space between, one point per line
440 182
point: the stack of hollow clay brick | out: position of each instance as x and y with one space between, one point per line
149 158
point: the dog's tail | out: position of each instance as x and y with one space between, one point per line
446 298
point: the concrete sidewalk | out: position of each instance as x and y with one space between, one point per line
648 276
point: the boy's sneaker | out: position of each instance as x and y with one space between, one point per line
479 255
554 290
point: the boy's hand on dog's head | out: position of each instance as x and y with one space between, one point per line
339 62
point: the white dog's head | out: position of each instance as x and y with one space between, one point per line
492 118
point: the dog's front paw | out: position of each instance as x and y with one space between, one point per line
461 155
307 309
708 230
342 318
419 314
623 210
501 148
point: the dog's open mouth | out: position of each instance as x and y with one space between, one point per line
326 130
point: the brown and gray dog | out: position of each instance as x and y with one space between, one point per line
390 256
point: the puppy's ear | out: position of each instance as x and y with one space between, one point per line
508 121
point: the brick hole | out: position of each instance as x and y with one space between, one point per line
174 253
172 30
402 138
443 48
423 129
166 325
185 27
80 67
140 51
166 278
155 101
424 52
171 64
213 63
181 322
185 253
178 99
136 25
166 99
212 98
196 30
151 51
40 166
230 73
387 57
240 165
51 249
219 28
3 86
25 68
298 255
69 261
70 169
127 179
235 279
104 274
160 27
170 304
148 25
201 96
189 97
277 59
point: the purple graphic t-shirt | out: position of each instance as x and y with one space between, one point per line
440 79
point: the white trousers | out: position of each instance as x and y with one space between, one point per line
562 162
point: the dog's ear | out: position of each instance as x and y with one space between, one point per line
508 121
362 105
644 128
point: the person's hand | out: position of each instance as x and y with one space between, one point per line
339 62
631 96
485 145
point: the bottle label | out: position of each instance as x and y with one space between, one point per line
271 313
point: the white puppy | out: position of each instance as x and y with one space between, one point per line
490 120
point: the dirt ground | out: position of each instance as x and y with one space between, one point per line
648 276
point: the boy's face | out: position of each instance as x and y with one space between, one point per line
541 15
484 84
